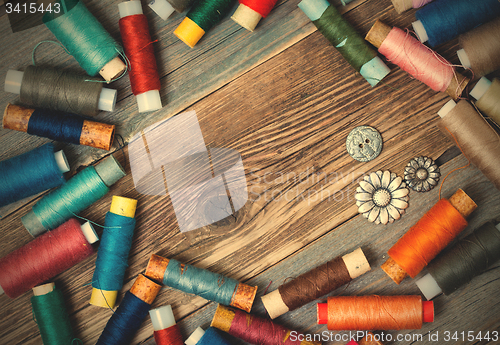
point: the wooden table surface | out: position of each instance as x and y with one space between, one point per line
285 99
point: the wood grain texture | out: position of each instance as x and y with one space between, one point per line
285 100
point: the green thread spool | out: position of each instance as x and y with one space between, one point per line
51 316
345 39
78 193
201 18
85 39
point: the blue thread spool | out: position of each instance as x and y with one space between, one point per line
31 173
113 252
78 193
441 21
209 337
211 286
85 39
128 317
65 127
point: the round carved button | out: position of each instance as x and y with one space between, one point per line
364 143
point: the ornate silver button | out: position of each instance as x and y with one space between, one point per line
364 143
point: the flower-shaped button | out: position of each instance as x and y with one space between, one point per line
422 174
382 197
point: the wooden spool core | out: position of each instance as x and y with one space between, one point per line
379 32
242 298
43 289
462 203
145 289
112 69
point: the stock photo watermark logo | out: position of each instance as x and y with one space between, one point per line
308 185
204 185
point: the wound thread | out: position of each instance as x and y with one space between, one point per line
138 46
28 174
431 234
261 7
61 91
446 19
169 336
489 103
482 46
375 312
43 258
467 259
479 142
416 59
207 13
82 35
253 329
52 318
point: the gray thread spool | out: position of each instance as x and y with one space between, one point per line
61 91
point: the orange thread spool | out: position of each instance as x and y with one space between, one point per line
375 312
432 233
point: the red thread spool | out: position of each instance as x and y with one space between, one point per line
143 73
166 331
417 59
249 12
429 236
255 330
375 312
45 257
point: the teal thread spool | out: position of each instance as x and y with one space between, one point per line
85 39
345 39
209 285
51 315
113 252
78 193
201 18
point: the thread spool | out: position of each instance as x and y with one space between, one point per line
65 127
166 331
442 21
112 257
78 193
165 8
429 236
417 59
51 316
143 74
467 259
85 39
479 142
254 329
404 5
45 257
212 286
345 39
481 48
210 336
344 313
368 339
315 283
31 173
250 12
128 317
487 94
203 16
58 90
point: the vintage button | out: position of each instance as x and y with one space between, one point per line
364 143
422 174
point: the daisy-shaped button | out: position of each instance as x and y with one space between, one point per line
422 174
382 197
